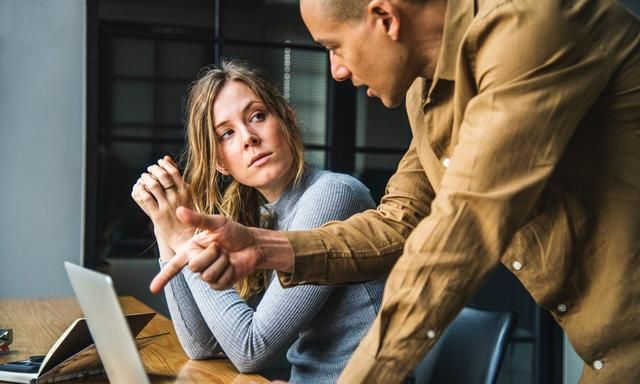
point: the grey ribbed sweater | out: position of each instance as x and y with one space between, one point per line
324 323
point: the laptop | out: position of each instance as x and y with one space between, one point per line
107 324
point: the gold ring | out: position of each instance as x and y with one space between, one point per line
168 187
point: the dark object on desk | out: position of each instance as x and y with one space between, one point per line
73 355
30 365
470 350
6 338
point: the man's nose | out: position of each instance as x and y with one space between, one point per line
338 71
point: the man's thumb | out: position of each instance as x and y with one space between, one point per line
199 220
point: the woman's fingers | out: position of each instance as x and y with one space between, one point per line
170 160
172 170
153 186
143 198
162 177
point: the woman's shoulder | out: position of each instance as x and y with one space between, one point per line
323 181
340 191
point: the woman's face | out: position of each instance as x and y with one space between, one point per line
251 145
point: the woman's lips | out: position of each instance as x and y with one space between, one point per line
260 159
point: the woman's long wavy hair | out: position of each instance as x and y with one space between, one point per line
208 192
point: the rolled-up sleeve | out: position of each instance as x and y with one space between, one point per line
535 73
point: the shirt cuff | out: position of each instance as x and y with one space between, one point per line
309 263
364 368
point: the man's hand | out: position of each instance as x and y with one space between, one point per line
225 251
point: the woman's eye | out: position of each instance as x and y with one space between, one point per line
226 134
258 116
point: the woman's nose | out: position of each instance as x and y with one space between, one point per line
251 140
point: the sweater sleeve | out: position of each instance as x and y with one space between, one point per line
196 338
251 338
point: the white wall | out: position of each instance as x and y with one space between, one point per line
42 125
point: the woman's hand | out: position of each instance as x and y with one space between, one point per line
159 192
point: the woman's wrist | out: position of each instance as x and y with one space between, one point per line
166 251
177 238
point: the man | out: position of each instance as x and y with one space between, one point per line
526 151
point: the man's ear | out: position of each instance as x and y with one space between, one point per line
384 14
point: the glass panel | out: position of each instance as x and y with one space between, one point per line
367 162
632 5
180 60
374 170
271 60
316 157
171 100
378 126
264 20
132 57
121 220
161 14
301 76
166 132
132 101
305 85
132 131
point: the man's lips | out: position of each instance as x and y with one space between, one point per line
259 158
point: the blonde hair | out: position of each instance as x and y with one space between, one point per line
208 192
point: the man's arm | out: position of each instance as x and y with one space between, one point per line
536 73
366 245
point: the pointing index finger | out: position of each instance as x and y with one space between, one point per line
170 270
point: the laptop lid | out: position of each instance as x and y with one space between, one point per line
107 324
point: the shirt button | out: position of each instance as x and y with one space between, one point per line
517 265
598 364
431 334
562 308
446 161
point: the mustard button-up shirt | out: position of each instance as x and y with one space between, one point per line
525 151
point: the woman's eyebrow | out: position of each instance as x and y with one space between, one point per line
244 110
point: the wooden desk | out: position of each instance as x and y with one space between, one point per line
37 324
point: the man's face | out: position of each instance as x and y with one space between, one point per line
361 50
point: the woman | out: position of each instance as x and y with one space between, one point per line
245 157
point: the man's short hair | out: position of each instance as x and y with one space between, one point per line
347 10
344 10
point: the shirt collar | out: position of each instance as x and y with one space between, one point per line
458 17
